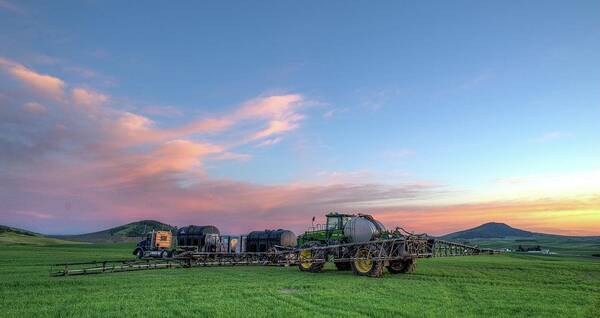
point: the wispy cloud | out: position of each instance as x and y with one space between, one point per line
551 136
333 112
35 108
270 142
9 6
88 161
375 99
477 80
111 165
158 110
34 214
45 85
87 97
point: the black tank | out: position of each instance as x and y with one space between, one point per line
261 241
195 235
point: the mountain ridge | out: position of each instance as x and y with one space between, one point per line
130 232
493 230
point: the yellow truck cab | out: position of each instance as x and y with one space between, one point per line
156 244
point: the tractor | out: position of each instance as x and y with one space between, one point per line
354 242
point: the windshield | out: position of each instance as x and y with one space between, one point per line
332 223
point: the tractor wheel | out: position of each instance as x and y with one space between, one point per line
272 255
139 253
304 263
406 265
343 266
364 265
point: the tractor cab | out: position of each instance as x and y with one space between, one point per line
336 221
330 232
335 226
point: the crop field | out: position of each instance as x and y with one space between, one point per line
490 286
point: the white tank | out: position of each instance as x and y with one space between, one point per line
362 230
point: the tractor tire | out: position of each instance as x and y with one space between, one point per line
343 266
139 253
308 266
402 266
364 265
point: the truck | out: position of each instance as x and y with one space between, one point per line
158 244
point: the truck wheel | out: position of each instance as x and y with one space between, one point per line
139 253
164 254
343 266
406 265
364 265
305 264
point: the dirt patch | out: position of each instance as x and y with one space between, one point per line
288 290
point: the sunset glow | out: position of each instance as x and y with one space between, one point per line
254 128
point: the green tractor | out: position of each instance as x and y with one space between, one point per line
347 240
330 233
334 232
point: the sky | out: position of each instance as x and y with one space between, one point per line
431 115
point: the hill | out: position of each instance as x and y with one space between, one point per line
8 229
131 232
15 236
489 230
503 236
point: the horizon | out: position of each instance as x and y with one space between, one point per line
176 226
434 117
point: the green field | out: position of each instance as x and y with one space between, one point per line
11 238
490 286
561 245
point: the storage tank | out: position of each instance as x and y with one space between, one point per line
362 229
196 235
261 241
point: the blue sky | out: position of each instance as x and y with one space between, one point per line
458 94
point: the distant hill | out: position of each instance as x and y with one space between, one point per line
8 229
131 232
490 230
15 236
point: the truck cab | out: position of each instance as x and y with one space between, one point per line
156 244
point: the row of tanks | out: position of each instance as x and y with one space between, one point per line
208 238
339 228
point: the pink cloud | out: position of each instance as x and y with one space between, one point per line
35 214
34 108
45 85
280 111
176 156
269 107
87 97
270 142
276 127
94 167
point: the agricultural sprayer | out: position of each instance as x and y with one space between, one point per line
354 242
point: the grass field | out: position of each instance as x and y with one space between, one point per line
564 246
11 238
490 286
